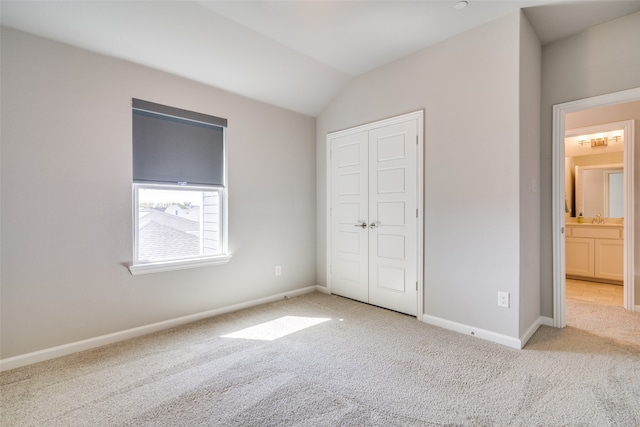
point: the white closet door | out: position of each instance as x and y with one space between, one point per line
374 227
393 217
349 212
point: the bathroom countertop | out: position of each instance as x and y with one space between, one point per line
588 223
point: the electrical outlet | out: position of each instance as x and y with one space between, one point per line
503 299
278 270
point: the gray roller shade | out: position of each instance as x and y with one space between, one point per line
171 145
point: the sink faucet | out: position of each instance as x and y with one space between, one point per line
598 220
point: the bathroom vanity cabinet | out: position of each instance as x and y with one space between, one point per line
595 251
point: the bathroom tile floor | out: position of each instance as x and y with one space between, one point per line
599 293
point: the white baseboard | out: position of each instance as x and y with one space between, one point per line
476 332
323 289
87 344
547 321
524 338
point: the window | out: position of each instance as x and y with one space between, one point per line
179 189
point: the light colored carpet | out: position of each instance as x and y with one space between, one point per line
363 366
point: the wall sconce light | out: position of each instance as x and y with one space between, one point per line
600 142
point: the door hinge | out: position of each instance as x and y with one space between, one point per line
416 139
416 286
330 154
416 213
330 212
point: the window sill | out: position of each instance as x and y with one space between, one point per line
157 267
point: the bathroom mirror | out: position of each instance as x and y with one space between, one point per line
599 190
594 171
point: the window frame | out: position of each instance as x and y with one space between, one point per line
223 256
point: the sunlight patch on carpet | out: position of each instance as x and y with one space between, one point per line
277 328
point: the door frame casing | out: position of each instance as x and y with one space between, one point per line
558 206
419 117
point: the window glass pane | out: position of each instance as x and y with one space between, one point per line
175 224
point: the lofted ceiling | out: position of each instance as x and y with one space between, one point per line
294 54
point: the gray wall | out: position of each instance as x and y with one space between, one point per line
603 59
530 63
469 87
67 209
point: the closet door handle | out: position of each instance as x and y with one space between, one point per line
363 225
374 225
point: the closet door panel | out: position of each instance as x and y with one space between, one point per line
392 217
349 211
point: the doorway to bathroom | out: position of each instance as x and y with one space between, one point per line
594 204
580 120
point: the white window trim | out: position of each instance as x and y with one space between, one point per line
158 267
179 264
